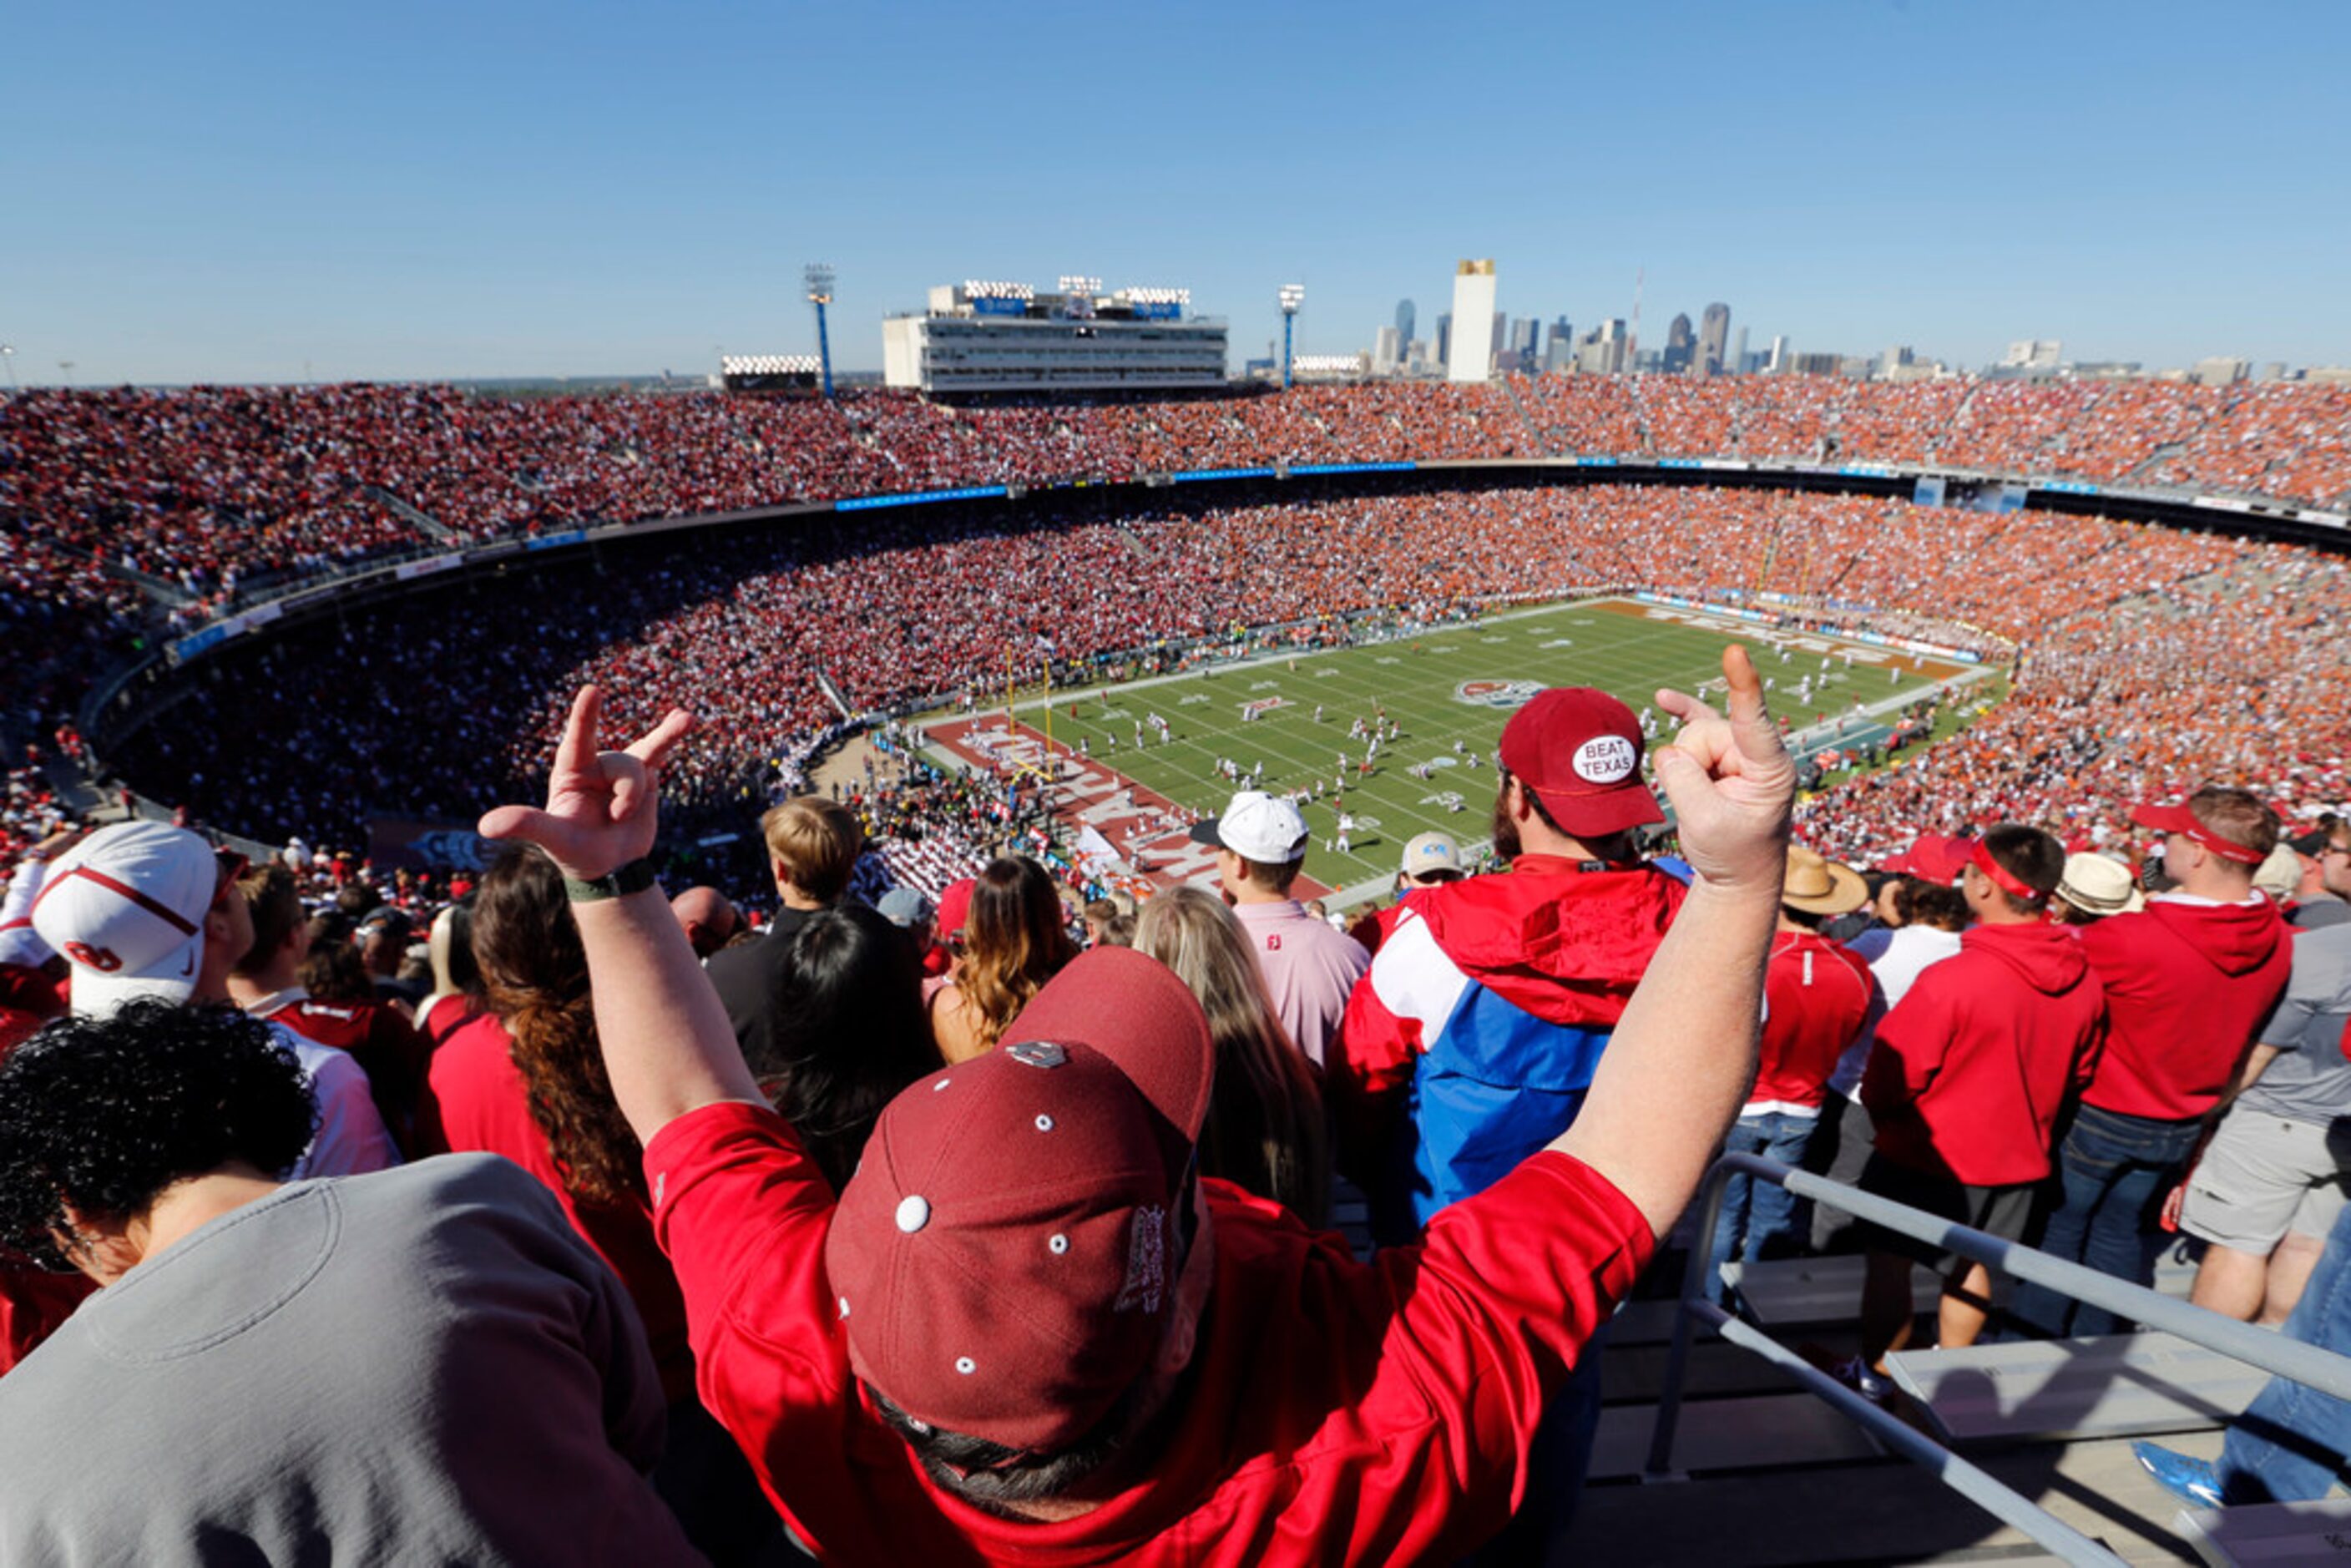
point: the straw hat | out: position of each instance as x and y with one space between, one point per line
1818 885
2099 884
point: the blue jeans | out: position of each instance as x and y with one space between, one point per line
1761 1218
2291 1442
2115 1170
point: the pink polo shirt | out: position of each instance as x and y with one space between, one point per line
1309 968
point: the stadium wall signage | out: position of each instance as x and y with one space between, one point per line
917 497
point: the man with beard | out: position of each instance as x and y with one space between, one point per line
1471 1040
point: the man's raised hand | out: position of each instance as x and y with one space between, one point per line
600 805
1732 782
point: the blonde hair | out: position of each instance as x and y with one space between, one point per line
817 841
1265 1130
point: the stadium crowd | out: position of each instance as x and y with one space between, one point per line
201 491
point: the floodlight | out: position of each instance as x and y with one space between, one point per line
820 276
1294 294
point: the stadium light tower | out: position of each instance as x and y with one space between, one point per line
819 293
1294 294
8 352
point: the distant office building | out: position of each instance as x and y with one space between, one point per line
1405 320
1473 332
1602 350
1558 349
1444 354
1562 328
2271 370
2033 354
1713 338
1387 352
1736 364
1416 355
1680 344
1779 358
2219 371
1814 364
1895 359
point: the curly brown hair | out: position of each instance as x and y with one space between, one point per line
535 974
1015 942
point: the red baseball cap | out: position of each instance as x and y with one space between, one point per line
2180 820
1005 1258
1579 749
1933 857
954 907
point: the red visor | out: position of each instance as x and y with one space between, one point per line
2181 820
2002 878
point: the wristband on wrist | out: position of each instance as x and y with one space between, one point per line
634 877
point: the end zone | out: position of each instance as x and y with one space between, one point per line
1149 832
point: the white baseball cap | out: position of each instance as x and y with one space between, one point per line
127 907
1430 853
1266 829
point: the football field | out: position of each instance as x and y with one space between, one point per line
1289 723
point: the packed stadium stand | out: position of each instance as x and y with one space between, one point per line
289 615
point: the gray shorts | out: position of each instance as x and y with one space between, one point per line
2261 1175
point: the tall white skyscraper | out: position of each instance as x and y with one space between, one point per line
1472 355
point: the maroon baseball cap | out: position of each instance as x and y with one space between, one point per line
2181 819
1579 749
1005 1259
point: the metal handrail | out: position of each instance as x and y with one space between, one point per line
2270 1351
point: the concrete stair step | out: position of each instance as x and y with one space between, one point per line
2269 1533
2109 1386
1877 1512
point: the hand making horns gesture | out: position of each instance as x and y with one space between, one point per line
600 805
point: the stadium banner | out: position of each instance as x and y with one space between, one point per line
1187 475
2012 498
493 551
426 568
2070 488
1868 470
1928 491
556 541
260 615
1680 462
1596 462
1297 469
914 497
1729 463
397 841
195 642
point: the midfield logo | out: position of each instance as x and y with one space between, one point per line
1496 694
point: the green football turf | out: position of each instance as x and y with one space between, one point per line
1612 645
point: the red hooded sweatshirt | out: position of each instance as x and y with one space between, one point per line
2188 985
1973 1064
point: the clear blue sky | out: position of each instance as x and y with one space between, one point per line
236 192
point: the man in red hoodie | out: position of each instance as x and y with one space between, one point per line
2190 981
1965 1083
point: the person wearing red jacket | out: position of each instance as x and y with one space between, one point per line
1818 997
1965 1085
2190 981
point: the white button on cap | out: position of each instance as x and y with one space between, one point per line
965 1365
914 1212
